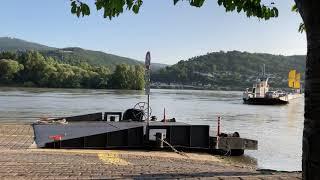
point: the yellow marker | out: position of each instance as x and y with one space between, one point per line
112 158
294 79
297 81
291 78
109 157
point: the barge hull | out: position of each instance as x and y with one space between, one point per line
265 101
104 134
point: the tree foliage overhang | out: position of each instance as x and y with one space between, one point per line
113 8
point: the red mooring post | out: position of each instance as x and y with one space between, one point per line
218 128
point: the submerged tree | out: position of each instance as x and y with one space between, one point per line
310 13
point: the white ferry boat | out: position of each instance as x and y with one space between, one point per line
261 95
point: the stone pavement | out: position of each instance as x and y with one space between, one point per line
18 161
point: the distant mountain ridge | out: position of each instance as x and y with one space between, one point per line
70 55
14 44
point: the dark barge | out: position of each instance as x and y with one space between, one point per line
266 101
95 131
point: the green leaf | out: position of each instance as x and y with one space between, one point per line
294 8
73 9
135 8
85 9
129 4
99 4
197 3
78 11
73 3
276 12
302 28
139 3
239 8
113 8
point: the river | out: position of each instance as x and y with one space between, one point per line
277 128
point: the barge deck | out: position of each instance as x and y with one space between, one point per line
91 131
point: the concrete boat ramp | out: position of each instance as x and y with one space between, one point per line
19 161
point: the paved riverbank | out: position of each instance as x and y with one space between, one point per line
19 161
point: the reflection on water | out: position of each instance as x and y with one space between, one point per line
277 128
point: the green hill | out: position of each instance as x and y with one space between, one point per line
13 44
71 55
74 55
230 70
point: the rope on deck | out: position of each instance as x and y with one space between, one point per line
174 149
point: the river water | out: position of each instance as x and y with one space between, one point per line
277 128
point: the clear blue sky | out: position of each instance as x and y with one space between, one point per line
171 33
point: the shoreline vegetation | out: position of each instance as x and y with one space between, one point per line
168 87
226 71
29 64
32 69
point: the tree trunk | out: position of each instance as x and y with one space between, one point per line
310 13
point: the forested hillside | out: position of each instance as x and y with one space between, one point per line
70 55
230 70
74 55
